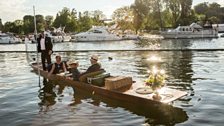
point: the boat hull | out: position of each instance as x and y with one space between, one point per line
188 35
163 113
129 92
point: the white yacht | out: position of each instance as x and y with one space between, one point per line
219 27
9 39
192 31
96 33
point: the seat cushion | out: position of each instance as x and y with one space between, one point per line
83 78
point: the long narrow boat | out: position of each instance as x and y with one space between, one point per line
129 98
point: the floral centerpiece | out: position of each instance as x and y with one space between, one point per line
156 78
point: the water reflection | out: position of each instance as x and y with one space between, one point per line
47 96
153 112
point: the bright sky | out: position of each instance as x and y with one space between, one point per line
16 9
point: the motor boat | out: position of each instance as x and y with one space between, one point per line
219 27
192 31
6 38
96 33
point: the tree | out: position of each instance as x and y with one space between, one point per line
1 25
40 23
201 8
48 21
98 17
85 22
8 26
17 27
141 9
63 18
73 24
28 24
174 7
212 12
124 17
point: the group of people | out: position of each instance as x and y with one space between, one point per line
72 66
45 47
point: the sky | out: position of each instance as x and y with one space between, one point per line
15 9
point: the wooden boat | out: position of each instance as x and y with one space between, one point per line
129 98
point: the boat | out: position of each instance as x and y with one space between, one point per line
222 35
142 104
130 37
96 33
168 94
7 38
192 31
219 27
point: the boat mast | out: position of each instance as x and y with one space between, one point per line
35 36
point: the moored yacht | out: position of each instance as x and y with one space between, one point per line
97 33
192 31
6 38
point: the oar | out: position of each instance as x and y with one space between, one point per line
35 32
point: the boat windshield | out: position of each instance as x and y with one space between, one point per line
4 36
96 31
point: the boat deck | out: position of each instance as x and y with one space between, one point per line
167 94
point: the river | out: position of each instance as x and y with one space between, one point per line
200 73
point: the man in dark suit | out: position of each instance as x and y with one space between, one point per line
45 47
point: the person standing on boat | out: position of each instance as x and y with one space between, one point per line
44 46
57 67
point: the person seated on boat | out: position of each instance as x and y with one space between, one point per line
73 68
58 66
93 70
95 66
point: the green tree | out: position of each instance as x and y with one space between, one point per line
1 25
124 17
40 23
98 17
141 9
28 24
85 22
73 24
63 18
211 12
201 8
17 27
8 26
48 21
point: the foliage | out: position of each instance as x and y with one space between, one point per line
1 25
142 15
212 12
155 80
124 18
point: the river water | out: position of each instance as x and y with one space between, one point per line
199 73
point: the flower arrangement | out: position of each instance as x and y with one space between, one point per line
156 79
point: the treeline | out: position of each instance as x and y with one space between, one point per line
150 15
144 15
70 19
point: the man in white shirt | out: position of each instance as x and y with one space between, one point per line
45 47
